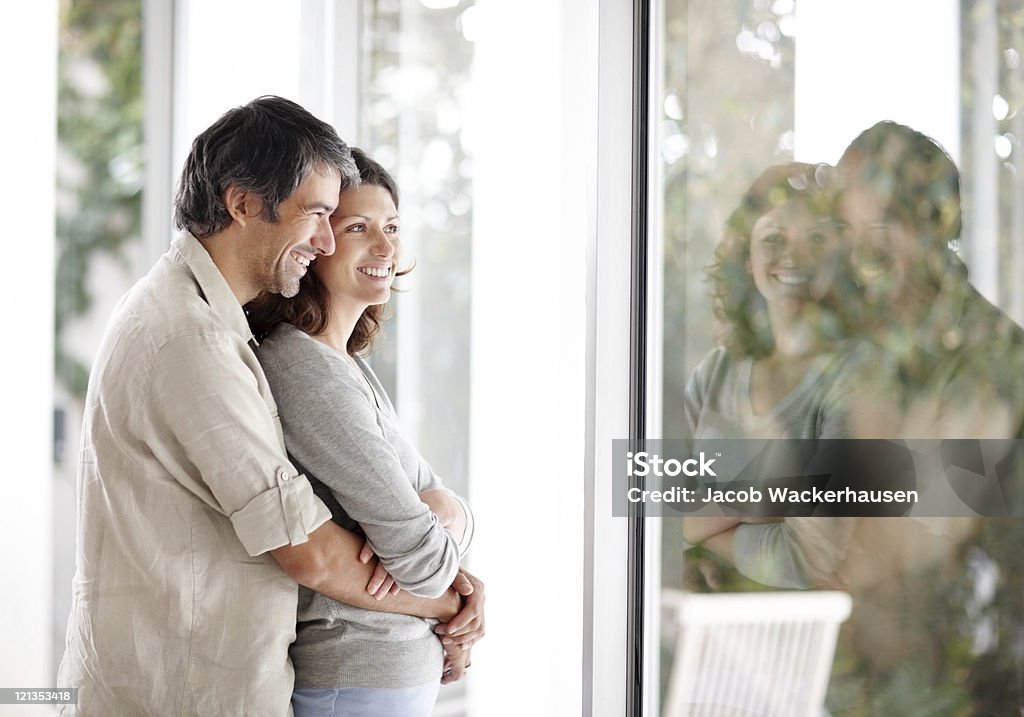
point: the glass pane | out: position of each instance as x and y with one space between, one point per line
416 75
860 295
416 71
474 353
99 247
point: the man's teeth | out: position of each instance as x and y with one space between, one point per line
792 279
301 259
870 271
379 272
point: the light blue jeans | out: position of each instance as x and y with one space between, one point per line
366 702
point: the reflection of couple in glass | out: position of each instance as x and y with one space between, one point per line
845 313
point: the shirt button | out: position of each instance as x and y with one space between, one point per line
284 476
952 339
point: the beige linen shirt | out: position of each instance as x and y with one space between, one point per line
183 487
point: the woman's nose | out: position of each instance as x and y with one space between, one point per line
787 253
383 244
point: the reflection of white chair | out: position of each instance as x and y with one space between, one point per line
752 654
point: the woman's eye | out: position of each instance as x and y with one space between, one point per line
772 239
391 229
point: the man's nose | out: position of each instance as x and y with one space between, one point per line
323 239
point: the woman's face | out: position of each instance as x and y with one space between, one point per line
795 254
360 271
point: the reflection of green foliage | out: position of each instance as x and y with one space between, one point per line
733 131
100 151
996 676
934 660
943 667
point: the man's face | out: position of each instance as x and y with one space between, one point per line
280 252
887 255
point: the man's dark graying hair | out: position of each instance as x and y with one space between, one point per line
267 147
913 175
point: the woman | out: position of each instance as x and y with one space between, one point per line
784 365
777 274
341 430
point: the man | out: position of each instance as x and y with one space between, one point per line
193 527
960 358
959 365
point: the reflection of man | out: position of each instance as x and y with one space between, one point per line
960 359
960 374
188 506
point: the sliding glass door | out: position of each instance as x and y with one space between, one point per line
859 307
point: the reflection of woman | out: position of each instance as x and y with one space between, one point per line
776 272
779 370
341 429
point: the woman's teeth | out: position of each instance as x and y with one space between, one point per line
379 272
792 279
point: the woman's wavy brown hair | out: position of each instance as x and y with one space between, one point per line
740 309
310 309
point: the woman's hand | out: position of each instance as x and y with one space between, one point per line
381 583
449 511
456 664
467 627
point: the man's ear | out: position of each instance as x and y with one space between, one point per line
241 204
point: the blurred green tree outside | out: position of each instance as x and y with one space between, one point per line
100 155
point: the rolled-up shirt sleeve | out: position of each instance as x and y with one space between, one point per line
224 442
283 515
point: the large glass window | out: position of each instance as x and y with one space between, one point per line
416 75
818 287
489 145
99 176
486 342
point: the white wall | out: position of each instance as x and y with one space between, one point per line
28 54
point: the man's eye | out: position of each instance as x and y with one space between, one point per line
357 228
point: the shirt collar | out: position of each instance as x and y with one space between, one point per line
212 284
